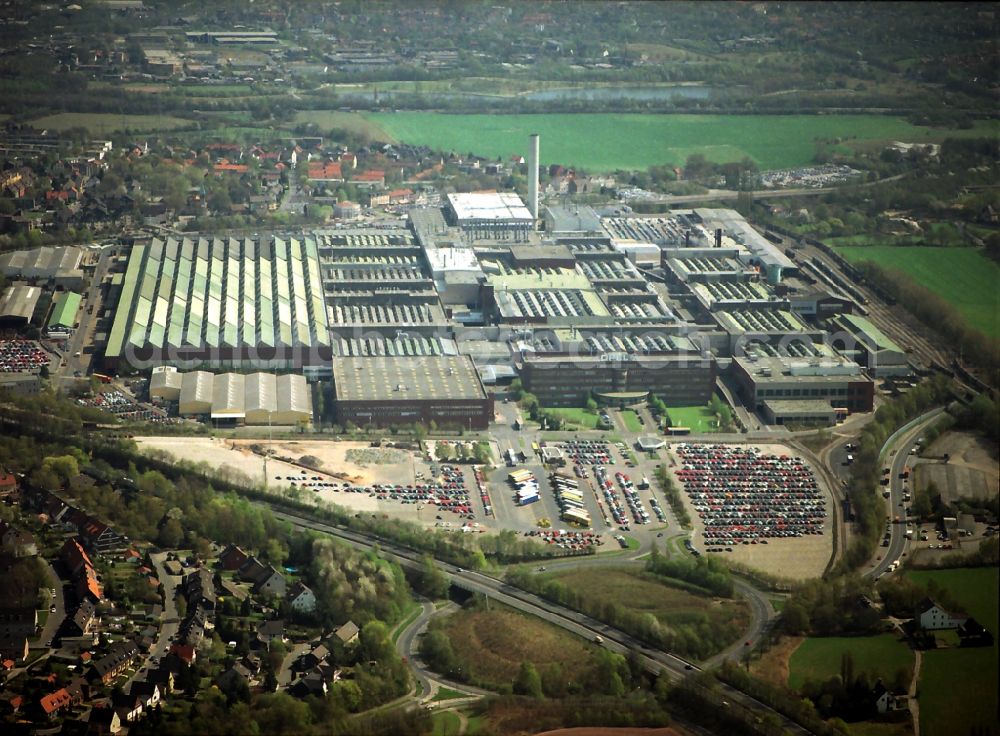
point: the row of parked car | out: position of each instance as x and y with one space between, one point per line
588 452
610 497
743 495
639 514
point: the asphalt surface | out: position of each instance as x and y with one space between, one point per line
55 619
897 448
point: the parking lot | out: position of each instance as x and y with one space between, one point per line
124 407
22 356
759 504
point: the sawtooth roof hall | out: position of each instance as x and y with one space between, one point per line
255 302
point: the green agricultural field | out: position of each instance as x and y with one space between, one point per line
352 122
631 421
962 276
958 687
106 123
696 418
958 691
608 141
492 644
818 658
975 589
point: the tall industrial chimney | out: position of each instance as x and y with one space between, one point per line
533 176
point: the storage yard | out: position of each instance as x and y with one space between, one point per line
757 504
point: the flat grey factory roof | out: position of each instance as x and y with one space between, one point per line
421 378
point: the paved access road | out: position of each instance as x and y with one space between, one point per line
898 447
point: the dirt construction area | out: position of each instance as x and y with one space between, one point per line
236 461
791 557
972 470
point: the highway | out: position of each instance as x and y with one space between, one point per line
898 448
656 662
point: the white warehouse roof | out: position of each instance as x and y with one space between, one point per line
488 206
256 398
166 383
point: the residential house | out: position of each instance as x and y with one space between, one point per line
74 557
88 586
8 484
973 634
163 677
19 543
100 538
232 678
312 683
884 700
301 598
186 653
348 633
933 617
104 721
199 588
329 171
13 647
149 692
114 664
252 662
269 631
82 620
128 706
370 178
232 558
79 690
265 578
313 658
54 703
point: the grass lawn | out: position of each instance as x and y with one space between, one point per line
870 728
409 618
446 723
696 418
492 644
104 123
671 606
580 417
475 725
609 141
818 658
962 276
631 420
446 693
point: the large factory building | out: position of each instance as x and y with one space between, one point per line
619 379
387 391
222 302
